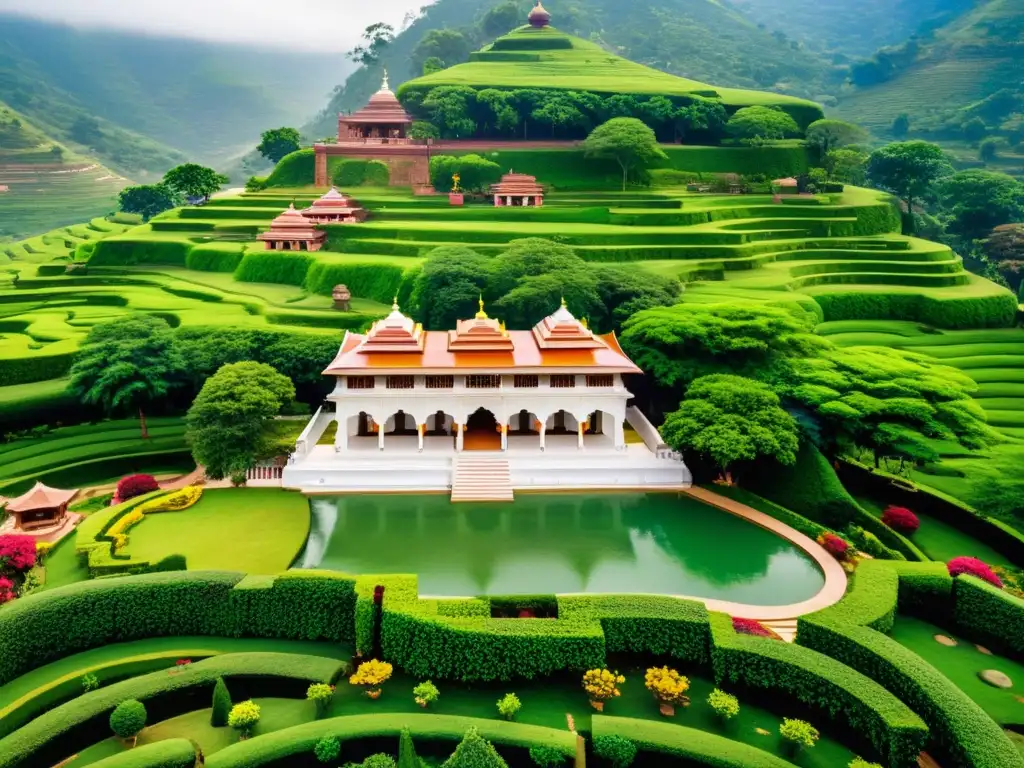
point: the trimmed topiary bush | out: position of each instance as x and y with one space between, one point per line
327 749
618 751
474 751
972 566
509 706
380 760
900 519
321 694
407 757
128 718
799 733
425 693
244 716
221 704
135 485
725 705
547 757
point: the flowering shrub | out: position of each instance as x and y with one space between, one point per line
43 549
135 485
667 685
6 590
320 694
753 627
834 545
121 526
900 519
602 684
972 566
244 716
723 704
509 705
425 693
17 553
371 675
799 733
173 502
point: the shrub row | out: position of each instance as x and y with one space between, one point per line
288 267
215 257
961 728
989 615
169 753
376 281
275 748
122 252
51 625
359 173
19 748
28 370
689 744
996 311
821 682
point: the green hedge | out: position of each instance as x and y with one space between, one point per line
215 257
361 173
288 267
126 252
169 753
995 311
48 402
51 625
29 370
449 729
823 683
18 748
376 281
696 747
294 170
967 736
989 615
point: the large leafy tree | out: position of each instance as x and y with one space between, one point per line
702 118
375 39
127 366
1004 248
451 110
147 200
449 45
829 135
761 123
627 141
225 422
448 287
977 201
848 165
908 169
729 419
279 142
194 181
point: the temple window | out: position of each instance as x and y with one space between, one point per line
401 382
483 381
563 381
600 380
361 382
526 382
440 382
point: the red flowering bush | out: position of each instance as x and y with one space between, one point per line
972 566
6 590
752 627
900 519
17 553
834 545
135 485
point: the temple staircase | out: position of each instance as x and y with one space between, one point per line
784 628
481 478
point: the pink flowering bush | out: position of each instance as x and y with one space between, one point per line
972 566
752 627
6 590
900 519
17 553
135 485
834 545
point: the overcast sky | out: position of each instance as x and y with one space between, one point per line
327 25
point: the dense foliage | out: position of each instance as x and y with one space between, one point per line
276 143
128 718
627 141
135 485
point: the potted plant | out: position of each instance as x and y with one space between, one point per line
669 689
456 197
244 717
371 675
425 693
602 685
798 734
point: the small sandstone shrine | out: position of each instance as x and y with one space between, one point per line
335 208
517 189
543 408
291 231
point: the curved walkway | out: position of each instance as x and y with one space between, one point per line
835 576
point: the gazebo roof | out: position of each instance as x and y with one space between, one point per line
40 497
517 184
481 334
292 225
395 333
563 331
383 108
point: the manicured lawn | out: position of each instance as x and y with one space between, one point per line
63 565
962 664
941 541
255 530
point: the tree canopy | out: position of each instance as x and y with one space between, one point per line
908 169
278 142
627 141
126 365
761 123
194 181
828 135
147 200
225 422
375 39
448 286
977 201
729 419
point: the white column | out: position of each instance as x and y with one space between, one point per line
380 436
619 434
504 437
579 435
543 430
420 429
341 438
508 200
460 435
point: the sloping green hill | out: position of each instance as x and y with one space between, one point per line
549 59
46 185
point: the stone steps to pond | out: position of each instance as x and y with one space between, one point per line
481 478
784 628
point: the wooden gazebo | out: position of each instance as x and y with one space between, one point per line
40 507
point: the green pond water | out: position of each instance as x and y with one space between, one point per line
657 543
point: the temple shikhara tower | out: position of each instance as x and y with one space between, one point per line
543 408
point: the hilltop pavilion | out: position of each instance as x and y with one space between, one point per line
543 408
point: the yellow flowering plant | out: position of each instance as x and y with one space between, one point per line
372 675
667 685
602 684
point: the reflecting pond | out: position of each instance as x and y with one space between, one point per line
658 543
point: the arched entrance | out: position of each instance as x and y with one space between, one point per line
482 432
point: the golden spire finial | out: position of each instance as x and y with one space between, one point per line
481 315
563 302
504 331
385 86
394 305
583 322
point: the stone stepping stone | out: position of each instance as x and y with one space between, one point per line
983 650
949 642
996 679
